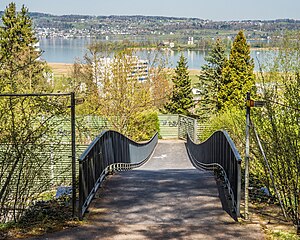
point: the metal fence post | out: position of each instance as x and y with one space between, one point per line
247 150
195 130
73 153
178 132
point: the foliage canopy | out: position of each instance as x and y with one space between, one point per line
210 80
238 77
20 69
181 99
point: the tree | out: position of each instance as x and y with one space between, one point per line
112 89
181 99
160 86
20 69
160 75
238 77
123 96
28 125
31 147
278 126
210 80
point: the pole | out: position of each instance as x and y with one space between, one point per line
247 151
73 153
195 131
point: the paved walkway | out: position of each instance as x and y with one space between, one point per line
167 198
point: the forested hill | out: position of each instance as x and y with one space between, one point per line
157 23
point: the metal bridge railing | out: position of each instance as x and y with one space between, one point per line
219 151
109 152
187 126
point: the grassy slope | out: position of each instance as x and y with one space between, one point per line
64 69
60 69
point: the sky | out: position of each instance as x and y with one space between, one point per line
205 9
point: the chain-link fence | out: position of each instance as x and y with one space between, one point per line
35 149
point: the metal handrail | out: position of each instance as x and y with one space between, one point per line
110 151
219 152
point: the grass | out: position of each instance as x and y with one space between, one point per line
281 235
61 69
64 69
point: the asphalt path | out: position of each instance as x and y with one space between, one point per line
166 198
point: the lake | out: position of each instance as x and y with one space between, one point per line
60 50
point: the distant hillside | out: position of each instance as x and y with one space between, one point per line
160 30
43 20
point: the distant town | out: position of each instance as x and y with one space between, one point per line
155 29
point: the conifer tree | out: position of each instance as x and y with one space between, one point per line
181 100
238 77
210 80
20 70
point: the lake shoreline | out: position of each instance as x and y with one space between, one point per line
63 51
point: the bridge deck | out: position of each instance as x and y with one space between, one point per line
167 198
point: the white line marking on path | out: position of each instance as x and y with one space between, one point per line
161 156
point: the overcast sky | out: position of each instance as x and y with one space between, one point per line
204 9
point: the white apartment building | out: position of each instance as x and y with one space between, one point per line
104 67
191 41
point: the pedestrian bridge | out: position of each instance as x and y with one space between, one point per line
162 189
112 152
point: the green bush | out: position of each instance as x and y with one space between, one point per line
143 125
232 120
